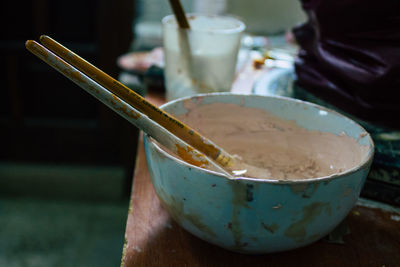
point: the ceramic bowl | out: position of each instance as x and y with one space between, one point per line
253 215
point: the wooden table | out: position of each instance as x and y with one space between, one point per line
152 238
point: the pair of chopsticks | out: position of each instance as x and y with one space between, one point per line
170 132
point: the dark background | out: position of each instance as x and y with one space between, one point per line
66 160
44 117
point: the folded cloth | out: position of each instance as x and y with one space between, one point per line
350 56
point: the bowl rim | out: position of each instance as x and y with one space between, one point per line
366 161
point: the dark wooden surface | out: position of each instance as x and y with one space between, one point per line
152 238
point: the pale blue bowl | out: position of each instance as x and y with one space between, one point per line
252 215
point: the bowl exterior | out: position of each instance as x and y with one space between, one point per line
249 215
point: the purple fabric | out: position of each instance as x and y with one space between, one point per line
350 56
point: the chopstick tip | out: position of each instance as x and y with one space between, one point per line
32 45
42 37
28 43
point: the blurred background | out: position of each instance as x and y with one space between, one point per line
66 160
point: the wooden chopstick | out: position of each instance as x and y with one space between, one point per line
179 14
166 120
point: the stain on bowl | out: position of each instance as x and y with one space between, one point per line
250 215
